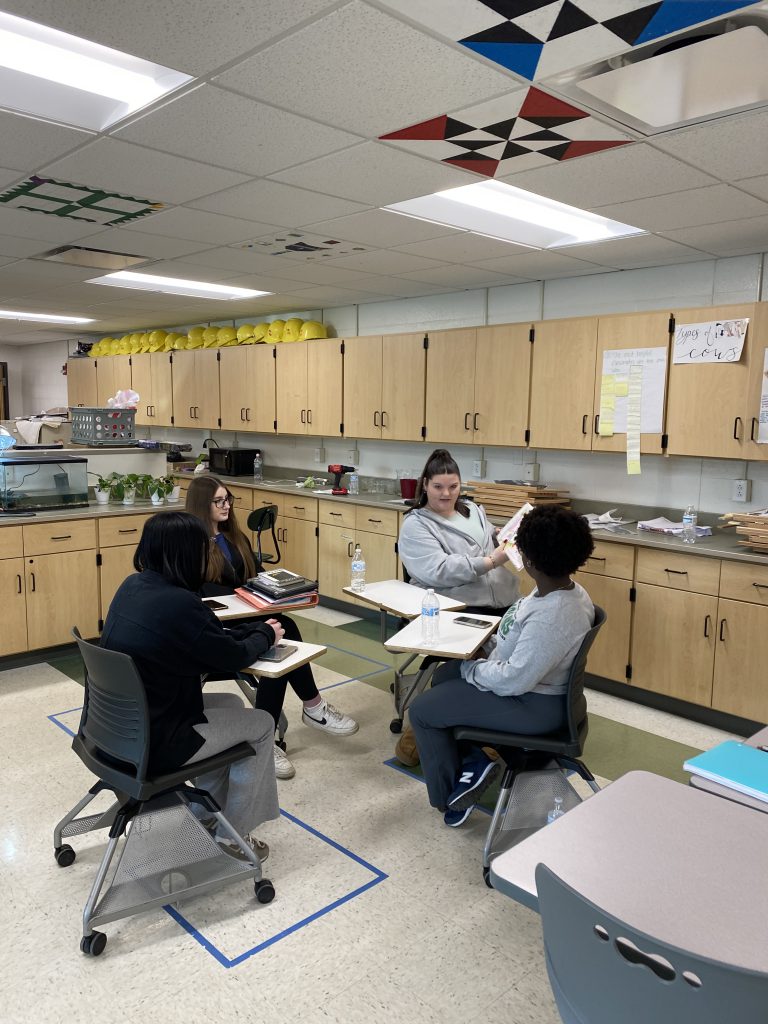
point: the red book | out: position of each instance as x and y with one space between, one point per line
287 603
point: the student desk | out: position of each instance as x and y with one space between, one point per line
760 739
237 608
275 669
664 858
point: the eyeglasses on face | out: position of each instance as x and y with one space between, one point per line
224 502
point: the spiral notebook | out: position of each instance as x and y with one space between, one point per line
734 765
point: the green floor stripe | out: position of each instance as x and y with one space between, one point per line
70 665
612 749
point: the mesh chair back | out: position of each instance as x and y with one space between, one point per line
114 727
577 702
603 970
262 519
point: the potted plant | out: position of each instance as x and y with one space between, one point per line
158 489
130 482
103 489
173 490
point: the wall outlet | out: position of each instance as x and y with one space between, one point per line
531 472
741 490
318 454
352 457
478 467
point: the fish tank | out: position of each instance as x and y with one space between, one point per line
39 483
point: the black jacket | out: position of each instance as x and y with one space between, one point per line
174 640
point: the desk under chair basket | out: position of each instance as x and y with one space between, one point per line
166 855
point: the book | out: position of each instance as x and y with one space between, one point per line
279 577
735 765
271 605
267 587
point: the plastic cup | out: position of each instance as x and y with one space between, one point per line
407 488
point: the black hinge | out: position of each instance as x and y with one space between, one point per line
397 549
671 324
632 595
274 425
532 335
274 352
664 440
130 360
173 420
424 431
343 349
527 436
317 531
100 624
170 358
218 357
426 341
219 421
629 672
341 428
98 558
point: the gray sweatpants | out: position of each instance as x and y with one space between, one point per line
452 701
246 791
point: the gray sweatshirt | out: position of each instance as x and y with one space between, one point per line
437 554
535 645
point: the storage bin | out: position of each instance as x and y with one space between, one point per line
103 426
533 797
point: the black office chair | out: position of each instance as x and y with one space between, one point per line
264 519
522 753
167 854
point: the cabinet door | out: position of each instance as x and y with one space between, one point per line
141 382
562 383
13 636
609 655
741 654
379 554
362 402
116 565
162 388
641 330
450 386
62 592
758 345
234 387
707 403
183 384
260 410
325 370
207 403
502 384
403 386
299 540
291 378
673 643
113 374
335 547
81 382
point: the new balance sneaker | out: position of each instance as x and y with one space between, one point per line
256 845
283 767
328 718
454 818
474 778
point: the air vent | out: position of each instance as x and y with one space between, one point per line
102 259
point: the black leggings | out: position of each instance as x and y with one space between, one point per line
270 693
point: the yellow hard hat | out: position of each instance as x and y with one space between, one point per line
312 329
291 329
143 343
123 347
260 332
112 347
134 343
244 333
210 337
157 338
168 343
95 350
226 336
179 342
275 332
194 340
195 333
135 337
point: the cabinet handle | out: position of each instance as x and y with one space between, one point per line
374 520
285 535
597 423
584 419
242 414
677 572
376 419
34 586
350 552
736 424
266 501
303 415
723 624
248 414
299 508
384 414
467 416
132 530
707 624
18 583
64 536
309 415
335 513
191 414
595 558
755 421
761 586
149 411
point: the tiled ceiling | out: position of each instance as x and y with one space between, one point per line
284 129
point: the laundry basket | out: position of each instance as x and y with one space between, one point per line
103 426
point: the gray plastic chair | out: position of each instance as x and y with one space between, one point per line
167 855
604 971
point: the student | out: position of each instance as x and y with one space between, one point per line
158 618
230 564
521 686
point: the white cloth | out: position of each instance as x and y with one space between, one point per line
30 429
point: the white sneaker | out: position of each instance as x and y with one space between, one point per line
328 718
257 846
283 767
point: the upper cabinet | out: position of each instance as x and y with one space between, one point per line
81 382
478 385
563 384
309 387
112 375
247 386
196 388
152 381
384 380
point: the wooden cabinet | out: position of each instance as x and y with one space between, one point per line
741 654
13 636
298 540
384 380
247 386
309 387
113 374
341 527
151 375
336 545
62 592
478 383
81 382
563 384
607 578
118 537
195 382
673 569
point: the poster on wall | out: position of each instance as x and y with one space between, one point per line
717 341
647 385
762 432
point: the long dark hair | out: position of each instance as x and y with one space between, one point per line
199 498
174 544
439 462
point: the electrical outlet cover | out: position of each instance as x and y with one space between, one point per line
478 467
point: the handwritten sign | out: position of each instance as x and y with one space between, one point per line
718 341
762 433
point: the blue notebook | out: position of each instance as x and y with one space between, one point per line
734 765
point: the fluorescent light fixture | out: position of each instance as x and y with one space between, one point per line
43 318
174 286
60 77
513 215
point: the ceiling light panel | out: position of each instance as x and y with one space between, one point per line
60 77
175 286
43 318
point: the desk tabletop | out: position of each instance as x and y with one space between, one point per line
662 856
237 608
453 641
275 669
403 599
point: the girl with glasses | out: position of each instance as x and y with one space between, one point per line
231 562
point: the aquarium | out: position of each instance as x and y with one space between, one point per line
38 483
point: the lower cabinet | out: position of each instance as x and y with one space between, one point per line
298 543
13 601
62 592
335 547
741 654
608 656
116 565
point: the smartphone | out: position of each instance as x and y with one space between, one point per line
215 606
465 620
278 653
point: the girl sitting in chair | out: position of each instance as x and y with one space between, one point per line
230 564
521 686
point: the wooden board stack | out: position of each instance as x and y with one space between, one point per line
506 499
753 526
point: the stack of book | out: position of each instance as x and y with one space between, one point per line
753 526
734 765
500 499
279 588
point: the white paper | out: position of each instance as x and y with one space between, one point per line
508 532
663 525
617 364
717 341
762 432
605 520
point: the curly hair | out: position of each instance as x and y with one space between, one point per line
555 540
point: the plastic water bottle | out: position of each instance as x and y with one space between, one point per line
258 467
689 525
430 618
358 570
354 483
557 811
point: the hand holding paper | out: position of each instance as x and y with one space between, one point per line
508 533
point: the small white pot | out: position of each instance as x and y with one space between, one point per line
129 497
102 497
175 494
156 498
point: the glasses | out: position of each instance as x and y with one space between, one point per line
229 501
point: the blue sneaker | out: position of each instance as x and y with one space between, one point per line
474 778
455 818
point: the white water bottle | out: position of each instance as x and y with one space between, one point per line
557 811
258 467
358 570
430 618
689 525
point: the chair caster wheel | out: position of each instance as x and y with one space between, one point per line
487 877
396 725
265 891
93 944
391 687
64 855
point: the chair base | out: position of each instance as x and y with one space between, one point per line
407 687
